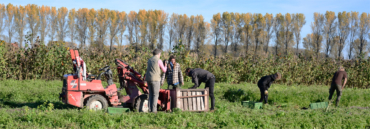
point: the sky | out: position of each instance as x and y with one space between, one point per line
208 8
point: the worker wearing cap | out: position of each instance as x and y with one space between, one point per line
336 84
264 84
153 78
198 76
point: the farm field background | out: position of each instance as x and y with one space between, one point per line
35 104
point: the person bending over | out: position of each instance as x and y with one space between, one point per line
198 76
264 84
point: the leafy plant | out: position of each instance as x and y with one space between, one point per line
53 61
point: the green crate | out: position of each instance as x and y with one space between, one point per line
313 106
319 105
257 105
324 104
245 103
252 105
115 110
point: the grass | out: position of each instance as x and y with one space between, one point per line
35 104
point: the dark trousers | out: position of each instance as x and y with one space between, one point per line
211 85
264 96
338 88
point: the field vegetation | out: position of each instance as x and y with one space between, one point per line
35 104
52 62
238 48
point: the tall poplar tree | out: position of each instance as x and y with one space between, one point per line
343 30
53 23
44 22
33 20
299 20
353 24
2 17
216 30
330 26
268 29
20 21
82 25
317 32
62 23
363 32
10 24
72 24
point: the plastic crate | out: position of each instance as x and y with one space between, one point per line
115 110
319 105
252 105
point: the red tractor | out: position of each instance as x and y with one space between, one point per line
79 90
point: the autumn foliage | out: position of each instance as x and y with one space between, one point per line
237 47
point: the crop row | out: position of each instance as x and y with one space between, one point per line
52 62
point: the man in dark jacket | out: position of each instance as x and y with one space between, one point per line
264 84
198 76
336 84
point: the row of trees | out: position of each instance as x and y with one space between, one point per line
331 33
94 28
255 31
233 33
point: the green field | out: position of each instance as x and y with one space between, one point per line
35 104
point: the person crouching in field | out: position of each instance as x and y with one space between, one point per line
264 84
198 76
173 74
336 84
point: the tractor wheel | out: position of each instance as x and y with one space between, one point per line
96 102
141 103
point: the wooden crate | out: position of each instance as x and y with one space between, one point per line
190 99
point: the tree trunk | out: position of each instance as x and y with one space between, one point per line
297 47
227 43
235 48
247 47
170 42
111 43
189 41
255 51
267 44
340 48
216 47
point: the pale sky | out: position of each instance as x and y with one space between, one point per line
207 8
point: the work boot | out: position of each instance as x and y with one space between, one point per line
266 98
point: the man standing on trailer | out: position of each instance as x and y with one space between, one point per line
264 84
336 84
198 76
153 78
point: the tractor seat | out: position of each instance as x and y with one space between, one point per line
91 77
